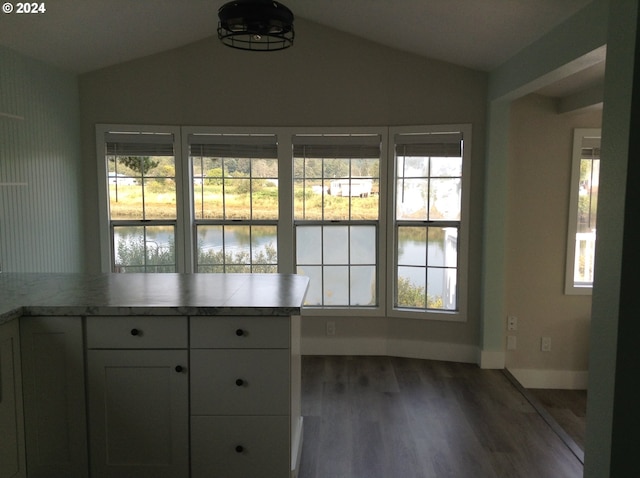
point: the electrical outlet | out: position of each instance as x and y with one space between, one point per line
512 323
331 327
545 344
511 342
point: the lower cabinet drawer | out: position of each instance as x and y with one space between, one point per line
240 447
127 332
240 382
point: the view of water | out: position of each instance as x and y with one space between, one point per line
338 290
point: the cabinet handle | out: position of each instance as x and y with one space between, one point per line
135 332
179 368
239 382
239 449
239 332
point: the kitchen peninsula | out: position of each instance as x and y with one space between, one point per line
140 375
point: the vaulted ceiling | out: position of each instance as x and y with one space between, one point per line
86 35
82 36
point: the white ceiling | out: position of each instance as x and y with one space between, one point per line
84 35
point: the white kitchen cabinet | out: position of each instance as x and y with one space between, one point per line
243 399
239 382
138 399
240 446
12 449
54 397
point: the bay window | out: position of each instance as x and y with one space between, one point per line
375 217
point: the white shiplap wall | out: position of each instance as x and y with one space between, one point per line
40 226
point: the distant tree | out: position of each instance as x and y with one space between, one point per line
139 164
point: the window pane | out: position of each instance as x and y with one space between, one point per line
441 288
445 199
335 206
264 193
446 167
335 168
336 285
412 197
144 248
308 198
443 247
363 286
413 167
125 199
237 198
362 241
237 245
160 198
264 253
309 245
207 188
209 247
335 244
412 248
411 287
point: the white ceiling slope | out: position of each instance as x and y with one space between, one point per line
84 35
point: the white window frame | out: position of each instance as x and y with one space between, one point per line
336 311
286 229
187 132
582 137
106 249
460 314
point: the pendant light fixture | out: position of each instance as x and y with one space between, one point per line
257 25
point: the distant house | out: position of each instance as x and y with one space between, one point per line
122 180
351 187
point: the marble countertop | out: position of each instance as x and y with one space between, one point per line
150 294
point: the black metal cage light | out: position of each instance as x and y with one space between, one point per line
258 25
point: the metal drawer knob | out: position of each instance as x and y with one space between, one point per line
239 332
239 382
239 449
135 332
179 368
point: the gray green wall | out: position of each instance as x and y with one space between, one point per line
40 199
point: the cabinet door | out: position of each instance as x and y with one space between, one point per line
240 447
12 460
54 397
138 413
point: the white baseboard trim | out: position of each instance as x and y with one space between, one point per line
432 350
559 379
390 347
491 359
343 346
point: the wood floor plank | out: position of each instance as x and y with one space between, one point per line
568 408
386 417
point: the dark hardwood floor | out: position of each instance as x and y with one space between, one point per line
386 417
568 408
